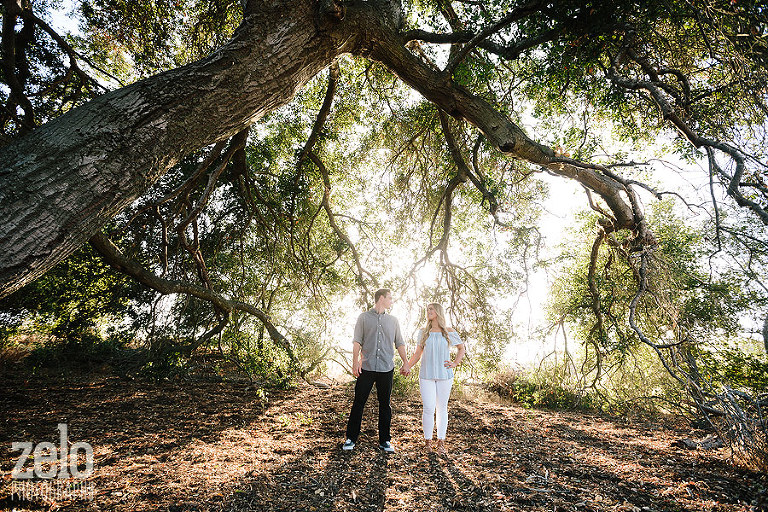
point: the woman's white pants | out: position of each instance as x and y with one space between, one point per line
434 397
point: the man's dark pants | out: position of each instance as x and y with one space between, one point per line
365 381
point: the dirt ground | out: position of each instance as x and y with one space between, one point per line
224 446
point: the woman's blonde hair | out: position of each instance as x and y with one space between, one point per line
440 317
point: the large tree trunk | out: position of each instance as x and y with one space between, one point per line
64 181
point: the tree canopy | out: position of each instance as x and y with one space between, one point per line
249 158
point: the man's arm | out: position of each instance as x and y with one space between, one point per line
403 354
357 360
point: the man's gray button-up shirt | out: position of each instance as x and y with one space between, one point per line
378 335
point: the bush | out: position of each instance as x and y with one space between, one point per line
405 386
528 390
734 367
11 354
85 353
259 359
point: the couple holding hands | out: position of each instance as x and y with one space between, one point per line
377 335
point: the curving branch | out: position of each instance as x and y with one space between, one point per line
502 133
515 15
322 114
15 65
657 90
73 54
236 144
449 270
125 265
320 119
509 52
362 273
308 153
742 421
446 199
13 57
464 171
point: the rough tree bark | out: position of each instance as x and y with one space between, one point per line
66 179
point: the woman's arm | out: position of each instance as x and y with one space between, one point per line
459 356
415 357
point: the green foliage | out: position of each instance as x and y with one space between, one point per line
533 389
256 356
405 386
139 38
627 384
681 300
735 367
89 353
70 302
691 303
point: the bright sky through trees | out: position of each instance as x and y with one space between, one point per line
528 319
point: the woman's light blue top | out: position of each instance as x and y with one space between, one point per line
436 353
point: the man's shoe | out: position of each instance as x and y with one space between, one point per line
387 447
348 445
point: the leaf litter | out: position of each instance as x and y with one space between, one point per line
221 446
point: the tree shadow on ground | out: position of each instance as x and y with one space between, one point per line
131 414
173 447
704 482
559 460
148 438
457 490
320 479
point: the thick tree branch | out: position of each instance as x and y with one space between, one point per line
508 52
322 114
127 266
500 130
515 15
106 153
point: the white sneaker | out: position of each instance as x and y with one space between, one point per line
348 445
387 447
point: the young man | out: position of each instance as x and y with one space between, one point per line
377 334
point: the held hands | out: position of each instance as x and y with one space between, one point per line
405 371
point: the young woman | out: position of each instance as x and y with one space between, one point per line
436 373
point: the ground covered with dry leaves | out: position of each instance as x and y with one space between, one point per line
225 446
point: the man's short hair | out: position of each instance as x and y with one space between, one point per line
382 292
